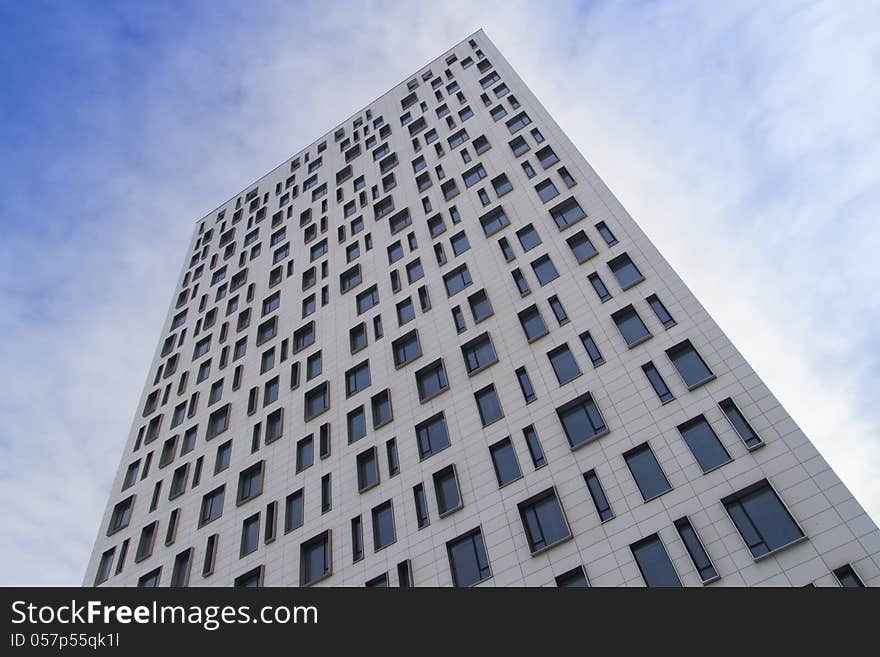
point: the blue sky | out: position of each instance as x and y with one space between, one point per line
742 136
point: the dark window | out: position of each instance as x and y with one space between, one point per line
654 562
305 453
317 400
474 175
525 385
599 285
543 520
581 420
564 365
212 505
695 549
546 157
406 348
432 435
657 383
447 491
518 122
581 246
357 378
558 310
459 243
603 506
591 348
478 353
380 404
660 310
625 271
848 578
762 519
703 443
367 299
532 323
367 469
545 270
383 526
421 502
393 461
505 462
546 190
468 560
357 539
740 424
303 337
631 326
534 445
250 535
431 380
488 405
690 366
356 422
493 221
357 337
646 471
314 560
573 579
528 237
606 233
481 308
567 213
456 280
250 483
293 511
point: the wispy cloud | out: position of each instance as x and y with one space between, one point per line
742 137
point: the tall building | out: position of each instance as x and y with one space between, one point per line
433 349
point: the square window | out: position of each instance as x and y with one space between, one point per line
431 380
581 420
626 273
689 364
631 326
762 519
564 365
544 521
545 270
468 560
704 443
432 435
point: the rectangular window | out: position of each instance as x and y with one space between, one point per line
702 562
558 310
432 435
543 520
356 423
505 462
431 380
631 326
383 525
534 445
250 535
423 519
564 365
393 460
848 577
456 280
305 453
293 511
738 421
532 323
367 299
591 349
581 420
575 578
314 560
381 407
603 506
357 378
567 213
544 270
459 243
625 271
518 122
581 247
317 400
212 506
646 471
704 443
478 353
326 493
250 483
493 221
406 348
357 539
546 190
657 383
762 519
654 562
599 286
660 310
525 385
367 469
488 405
468 560
447 491
689 364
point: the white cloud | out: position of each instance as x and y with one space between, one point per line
743 138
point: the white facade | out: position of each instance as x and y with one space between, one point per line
836 530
